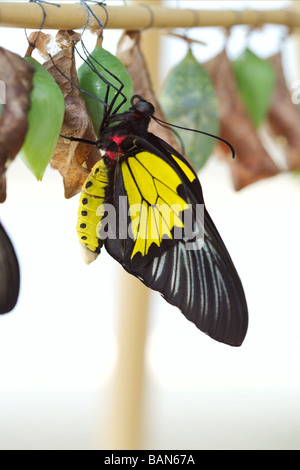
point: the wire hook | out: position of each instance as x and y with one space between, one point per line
90 11
39 2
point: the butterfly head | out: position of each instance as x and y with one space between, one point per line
137 117
141 107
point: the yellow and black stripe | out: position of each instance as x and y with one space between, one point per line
91 202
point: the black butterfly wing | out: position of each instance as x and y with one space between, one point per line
204 285
202 282
9 274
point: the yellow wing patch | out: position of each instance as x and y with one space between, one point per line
91 200
155 206
188 172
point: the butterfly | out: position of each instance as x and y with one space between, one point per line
144 203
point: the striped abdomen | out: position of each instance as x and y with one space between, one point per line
91 209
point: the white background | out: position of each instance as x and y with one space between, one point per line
58 348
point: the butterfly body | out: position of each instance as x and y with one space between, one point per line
144 203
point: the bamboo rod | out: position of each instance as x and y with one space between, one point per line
126 404
137 17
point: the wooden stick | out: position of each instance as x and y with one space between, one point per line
138 17
126 404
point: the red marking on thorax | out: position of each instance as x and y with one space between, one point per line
118 139
111 155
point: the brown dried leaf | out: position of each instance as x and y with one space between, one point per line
252 163
284 117
16 74
74 160
130 54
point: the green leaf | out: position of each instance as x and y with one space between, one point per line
45 119
188 99
255 79
91 82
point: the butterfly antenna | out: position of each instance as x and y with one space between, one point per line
167 126
199 132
